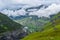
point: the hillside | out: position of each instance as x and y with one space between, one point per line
6 24
51 31
9 29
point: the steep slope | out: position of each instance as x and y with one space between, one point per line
51 31
6 24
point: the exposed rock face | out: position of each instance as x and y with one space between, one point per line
12 36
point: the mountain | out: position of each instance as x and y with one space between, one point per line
6 24
51 31
10 30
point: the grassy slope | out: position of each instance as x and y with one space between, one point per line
49 33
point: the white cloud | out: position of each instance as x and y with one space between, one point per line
14 13
52 9
9 3
16 4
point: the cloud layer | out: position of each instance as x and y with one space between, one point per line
52 9
11 5
16 3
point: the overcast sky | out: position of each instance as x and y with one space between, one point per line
14 4
9 3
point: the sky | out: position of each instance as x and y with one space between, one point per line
54 7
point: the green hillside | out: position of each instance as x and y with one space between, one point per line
6 24
51 30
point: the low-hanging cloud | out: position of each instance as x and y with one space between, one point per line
16 4
52 9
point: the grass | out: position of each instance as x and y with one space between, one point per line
51 31
50 34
